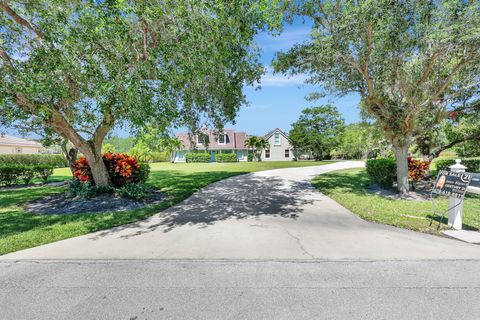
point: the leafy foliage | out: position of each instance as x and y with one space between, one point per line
226 157
197 157
318 131
473 165
78 69
11 174
54 160
137 191
410 61
122 169
417 169
382 171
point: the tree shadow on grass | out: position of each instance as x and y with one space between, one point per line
242 197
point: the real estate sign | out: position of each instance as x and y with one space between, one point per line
452 184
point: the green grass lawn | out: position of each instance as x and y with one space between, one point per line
20 230
348 188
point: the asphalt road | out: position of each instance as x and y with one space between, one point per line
173 289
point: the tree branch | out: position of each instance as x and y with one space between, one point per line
17 18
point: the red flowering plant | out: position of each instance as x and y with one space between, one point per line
417 169
121 168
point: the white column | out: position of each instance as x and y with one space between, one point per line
455 214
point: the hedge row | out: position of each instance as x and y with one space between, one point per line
382 171
54 160
226 157
473 165
197 157
13 174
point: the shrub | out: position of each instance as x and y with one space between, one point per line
43 172
197 157
417 169
473 165
53 160
143 172
27 173
160 157
135 191
382 171
121 168
226 157
11 174
85 190
250 157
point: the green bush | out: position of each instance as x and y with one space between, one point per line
135 191
473 165
43 171
12 174
9 174
197 157
143 172
85 190
382 171
160 157
250 157
28 173
54 160
226 157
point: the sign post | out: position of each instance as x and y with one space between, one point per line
454 184
456 204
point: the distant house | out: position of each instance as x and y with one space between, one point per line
14 145
229 141
280 147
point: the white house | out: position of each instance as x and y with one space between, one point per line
14 145
280 147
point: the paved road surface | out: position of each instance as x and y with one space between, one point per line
240 290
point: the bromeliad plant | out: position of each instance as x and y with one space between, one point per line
122 169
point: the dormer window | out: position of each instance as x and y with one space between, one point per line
276 139
222 138
201 139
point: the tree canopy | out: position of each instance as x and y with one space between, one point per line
410 61
317 131
80 68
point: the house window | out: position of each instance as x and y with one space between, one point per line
277 139
287 153
267 154
202 139
222 139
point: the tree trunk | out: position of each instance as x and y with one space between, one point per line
401 154
95 161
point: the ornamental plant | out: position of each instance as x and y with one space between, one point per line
122 169
417 169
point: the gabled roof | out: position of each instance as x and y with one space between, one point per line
234 140
6 140
270 133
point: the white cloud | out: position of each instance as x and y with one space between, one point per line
269 79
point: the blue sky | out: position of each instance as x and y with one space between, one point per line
281 99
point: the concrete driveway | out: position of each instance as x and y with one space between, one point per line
267 215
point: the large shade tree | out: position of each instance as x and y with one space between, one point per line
317 131
79 68
408 60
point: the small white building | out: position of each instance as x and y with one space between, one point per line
14 145
280 147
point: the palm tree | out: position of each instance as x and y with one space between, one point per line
261 144
251 144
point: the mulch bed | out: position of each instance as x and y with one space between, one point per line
421 192
61 204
